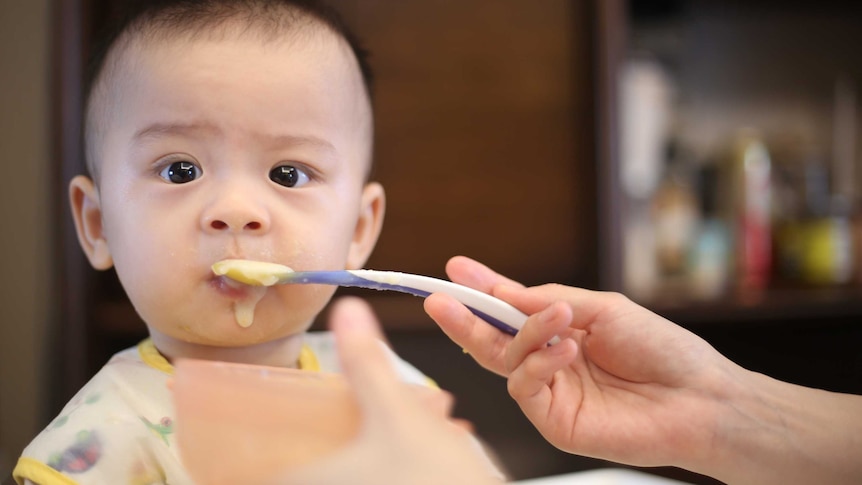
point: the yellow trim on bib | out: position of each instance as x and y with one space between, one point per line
153 358
307 359
431 383
38 472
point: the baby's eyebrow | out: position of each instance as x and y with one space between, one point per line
194 129
158 130
282 140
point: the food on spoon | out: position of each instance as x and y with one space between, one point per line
254 273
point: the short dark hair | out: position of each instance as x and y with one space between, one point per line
197 14
196 17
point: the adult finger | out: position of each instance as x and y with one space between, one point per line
469 272
529 380
586 305
539 329
483 342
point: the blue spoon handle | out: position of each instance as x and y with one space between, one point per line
498 313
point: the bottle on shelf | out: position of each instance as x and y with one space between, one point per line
710 252
814 243
751 196
675 214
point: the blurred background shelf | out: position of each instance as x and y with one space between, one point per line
732 153
773 306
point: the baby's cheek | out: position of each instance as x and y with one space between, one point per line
320 253
156 299
303 301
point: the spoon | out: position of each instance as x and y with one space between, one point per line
496 312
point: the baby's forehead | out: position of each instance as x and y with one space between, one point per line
147 38
144 52
129 61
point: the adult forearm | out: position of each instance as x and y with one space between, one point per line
775 432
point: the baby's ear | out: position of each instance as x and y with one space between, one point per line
87 212
368 225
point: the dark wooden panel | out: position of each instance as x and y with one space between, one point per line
484 138
71 328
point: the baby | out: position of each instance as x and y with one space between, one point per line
214 129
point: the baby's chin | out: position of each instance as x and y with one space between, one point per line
225 333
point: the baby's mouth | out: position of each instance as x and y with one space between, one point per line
245 298
247 281
230 288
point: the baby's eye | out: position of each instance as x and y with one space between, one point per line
180 172
289 176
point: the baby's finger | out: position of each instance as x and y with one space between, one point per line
528 380
538 330
365 363
438 401
441 403
464 425
485 343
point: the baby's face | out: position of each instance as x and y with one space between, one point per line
233 148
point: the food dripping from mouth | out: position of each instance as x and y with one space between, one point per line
257 276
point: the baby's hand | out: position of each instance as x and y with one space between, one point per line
405 435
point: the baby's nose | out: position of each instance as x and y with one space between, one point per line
222 225
237 213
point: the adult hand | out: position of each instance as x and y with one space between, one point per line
627 385
623 384
405 436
